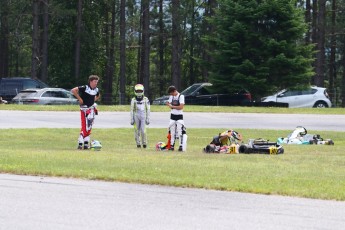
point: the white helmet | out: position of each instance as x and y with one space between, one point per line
96 145
139 90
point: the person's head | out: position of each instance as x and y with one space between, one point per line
93 81
172 90
139 90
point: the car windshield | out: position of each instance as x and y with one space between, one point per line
190 89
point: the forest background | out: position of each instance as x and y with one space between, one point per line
262 46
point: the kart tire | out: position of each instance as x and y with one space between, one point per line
281 151
243 149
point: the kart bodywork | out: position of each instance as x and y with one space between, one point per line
300 136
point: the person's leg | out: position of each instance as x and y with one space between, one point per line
172 128
82 130
143 132
137 126
87 140
90 118
179 125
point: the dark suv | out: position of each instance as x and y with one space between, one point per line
10 87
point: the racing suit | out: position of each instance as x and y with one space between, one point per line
87 113
140 117
176 123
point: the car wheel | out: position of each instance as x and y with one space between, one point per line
320 104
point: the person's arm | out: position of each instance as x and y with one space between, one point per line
168 103
178 107
132 112
97 97
148 110
75 92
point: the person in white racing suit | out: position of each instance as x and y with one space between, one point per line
87 95
176 124
140 115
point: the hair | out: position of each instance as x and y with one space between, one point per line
93 77
171 89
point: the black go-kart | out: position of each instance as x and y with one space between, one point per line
261 146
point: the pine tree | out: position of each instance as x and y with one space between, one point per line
258 45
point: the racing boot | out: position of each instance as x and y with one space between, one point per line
86 145
171 148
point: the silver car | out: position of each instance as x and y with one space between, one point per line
46 96
313 97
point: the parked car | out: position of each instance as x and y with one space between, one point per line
316 97
203 94
10 87
46 96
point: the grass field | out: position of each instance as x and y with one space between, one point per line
303 171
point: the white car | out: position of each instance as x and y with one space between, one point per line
313 97
45 96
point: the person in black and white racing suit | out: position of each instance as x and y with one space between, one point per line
87 95
176 124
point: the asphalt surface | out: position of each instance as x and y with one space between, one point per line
31 202
44 119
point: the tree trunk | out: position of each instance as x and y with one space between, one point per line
176 45
77 41
161 38
145 46
308 21
4 34
44 69
332 64
191 48
320 56
208 29
139 63
343 77
35 60
123 52
111 54
314 32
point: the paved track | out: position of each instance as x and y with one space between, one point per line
29 202
38 119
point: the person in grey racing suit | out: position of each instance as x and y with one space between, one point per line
140 115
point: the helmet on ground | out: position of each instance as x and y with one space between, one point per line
236 135
232 134
96 145
139 90
161 146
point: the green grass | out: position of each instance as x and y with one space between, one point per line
303 171
188 108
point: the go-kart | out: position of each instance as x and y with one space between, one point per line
261 146
300 136
225 142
